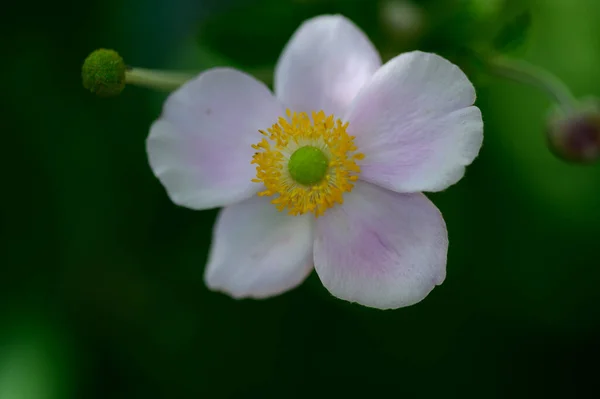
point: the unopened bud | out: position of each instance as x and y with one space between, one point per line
103 73
575 135
402 19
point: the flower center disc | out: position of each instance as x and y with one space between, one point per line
308 165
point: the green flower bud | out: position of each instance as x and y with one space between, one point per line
103 73
575 136
403 20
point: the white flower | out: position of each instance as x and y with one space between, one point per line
344 139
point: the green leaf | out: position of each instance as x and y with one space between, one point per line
514 34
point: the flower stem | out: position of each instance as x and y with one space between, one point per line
165 81
526 73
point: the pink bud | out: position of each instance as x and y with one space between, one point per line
575 135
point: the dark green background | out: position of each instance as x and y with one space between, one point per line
101 291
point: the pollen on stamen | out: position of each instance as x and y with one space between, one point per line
322 134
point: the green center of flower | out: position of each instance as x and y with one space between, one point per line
308 165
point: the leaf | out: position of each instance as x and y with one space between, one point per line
514 34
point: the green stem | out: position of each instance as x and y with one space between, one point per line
526 73
165 81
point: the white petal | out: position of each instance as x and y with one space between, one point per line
380 248
258 251
200 148
416 125
324 65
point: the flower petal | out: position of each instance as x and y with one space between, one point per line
324 65
258 251
380 248
416 125
200 148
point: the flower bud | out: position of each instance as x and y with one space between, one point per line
402 19
103 73
575 135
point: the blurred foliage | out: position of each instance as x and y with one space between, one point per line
33 361
112 270
514 33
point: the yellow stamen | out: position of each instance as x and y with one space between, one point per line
297 131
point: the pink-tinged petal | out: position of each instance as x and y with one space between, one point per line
258 251
416 125
380 248
200 147
324 65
